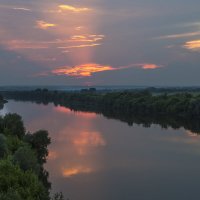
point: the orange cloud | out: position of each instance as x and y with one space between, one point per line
87 70
80 46
44 25
84 70
73 9
192 45
149 66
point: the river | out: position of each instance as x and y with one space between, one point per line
92 157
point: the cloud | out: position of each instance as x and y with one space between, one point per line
181 35
84 70
22 44
193 45
149 66
15 8
44 25
86 38
80 46
21 8
79 28
73 9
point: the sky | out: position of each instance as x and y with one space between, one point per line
100 42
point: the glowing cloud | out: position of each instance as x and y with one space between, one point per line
192 45
86 38
149 66
80 46
84 70
73 9
44 25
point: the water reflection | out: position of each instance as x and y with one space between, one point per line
92 157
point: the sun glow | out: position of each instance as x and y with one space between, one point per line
84 70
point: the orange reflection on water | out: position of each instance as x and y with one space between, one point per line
62 109
75 171
52 155
86 140
76 143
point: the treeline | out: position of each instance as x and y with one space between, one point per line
2 101
133 107
22 155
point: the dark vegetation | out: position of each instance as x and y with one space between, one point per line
22 155
2 101
177 110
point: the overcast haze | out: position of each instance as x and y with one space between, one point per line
100 42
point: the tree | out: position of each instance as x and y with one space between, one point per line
26 159
39 141
3 146
23 185
13 125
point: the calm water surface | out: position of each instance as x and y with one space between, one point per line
95 158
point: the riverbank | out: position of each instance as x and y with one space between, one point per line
185 105
2 102
174 110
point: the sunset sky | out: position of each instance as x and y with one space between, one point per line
100 42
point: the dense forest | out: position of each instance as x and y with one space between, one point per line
141 107
22 156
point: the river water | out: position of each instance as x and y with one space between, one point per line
95 158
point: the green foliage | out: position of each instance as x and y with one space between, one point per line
14 143
22 175
13 125
25 157
10 195
3 146
24 184
39 142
